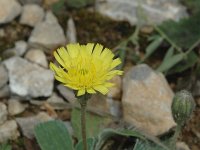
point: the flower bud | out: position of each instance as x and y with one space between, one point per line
182 106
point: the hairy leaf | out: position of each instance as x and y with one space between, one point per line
53 135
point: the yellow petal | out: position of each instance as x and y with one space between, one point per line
102 89
73 50
60 61
89 48
81 92
64 56
91 91
108 84
97 50
55 69
115 63
107 53
60 79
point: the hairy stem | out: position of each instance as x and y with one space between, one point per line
83 103
175 137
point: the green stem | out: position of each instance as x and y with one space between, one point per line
167 39
175 137
83 103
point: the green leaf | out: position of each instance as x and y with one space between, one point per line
58 6
109 133
79 3
169 54
147 145
172 61
94 123
183 33
191 59
90 143
152 47
5 147
122 53
53 135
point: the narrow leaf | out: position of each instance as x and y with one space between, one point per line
190 61
152 47
53 135
171 62
169 54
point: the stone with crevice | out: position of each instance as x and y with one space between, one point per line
37 56
10 9
48 33
15 107
142 11
147 100
27 124
27 79
3 75
9 131
32 14
3 113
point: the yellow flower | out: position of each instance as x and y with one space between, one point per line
85 68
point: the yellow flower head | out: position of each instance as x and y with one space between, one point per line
85 68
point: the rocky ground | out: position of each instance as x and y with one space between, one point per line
30 31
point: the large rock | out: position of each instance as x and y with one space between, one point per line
3 113
48 33
27 124
37 56
32 14
147 100
8 131
3 75
9 10
145 11
27 79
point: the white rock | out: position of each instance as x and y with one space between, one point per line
48 33
136 11
115 91
32 14
9 10
147 100
20 47
66 93
15 107
27 124
8 131
71 31
57 102
37 56
3 75
115 107
27 79
3 113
